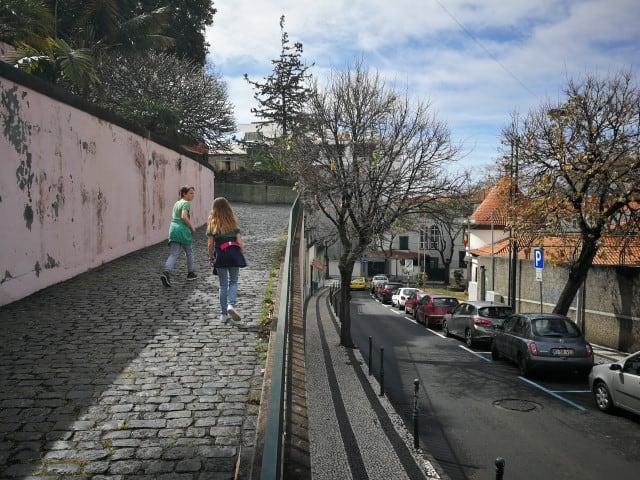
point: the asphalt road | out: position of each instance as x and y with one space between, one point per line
473 410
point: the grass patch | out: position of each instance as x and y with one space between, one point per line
460 295
262 346
268 305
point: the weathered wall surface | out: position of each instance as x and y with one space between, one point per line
77 191
261 194
611 300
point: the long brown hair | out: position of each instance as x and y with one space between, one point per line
221 218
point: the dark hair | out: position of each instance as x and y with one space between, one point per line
184 190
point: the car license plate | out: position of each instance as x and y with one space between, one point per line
563 352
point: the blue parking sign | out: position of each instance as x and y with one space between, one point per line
538 258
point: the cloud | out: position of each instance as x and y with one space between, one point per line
475 61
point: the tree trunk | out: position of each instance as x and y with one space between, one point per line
577 275
447 273
345 313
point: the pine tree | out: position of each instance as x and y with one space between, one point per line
281 98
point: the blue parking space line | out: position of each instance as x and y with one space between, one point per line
570 391
553 394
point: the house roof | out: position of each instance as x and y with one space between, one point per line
614 250
496 203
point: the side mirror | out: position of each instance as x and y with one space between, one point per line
615 366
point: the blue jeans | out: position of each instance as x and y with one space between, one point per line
228 286
175 251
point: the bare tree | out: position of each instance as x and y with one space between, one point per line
372 156
447 215
578 163
168 95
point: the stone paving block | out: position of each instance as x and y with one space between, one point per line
102 366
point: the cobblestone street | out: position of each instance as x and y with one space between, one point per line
113 375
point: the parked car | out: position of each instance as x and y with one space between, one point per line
617 384
475 321
400 297
537 341
378 280
384 293
431 309
414 298
358 283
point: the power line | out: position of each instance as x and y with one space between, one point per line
486 50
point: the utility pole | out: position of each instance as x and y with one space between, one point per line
513 193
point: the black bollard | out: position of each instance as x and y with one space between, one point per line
416 433
381 371
370 355
499 468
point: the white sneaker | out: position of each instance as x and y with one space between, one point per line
232 313
224 318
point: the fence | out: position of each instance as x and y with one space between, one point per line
273 438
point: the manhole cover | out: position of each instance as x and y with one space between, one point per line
517 405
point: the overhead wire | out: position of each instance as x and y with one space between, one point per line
482 46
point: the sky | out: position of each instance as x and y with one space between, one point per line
477 62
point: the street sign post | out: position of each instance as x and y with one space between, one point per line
538 263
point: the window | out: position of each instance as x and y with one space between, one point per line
403 243
632 365
423 239
434 237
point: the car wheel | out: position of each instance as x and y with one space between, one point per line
495 353
602 397
522 365
445 329
468 338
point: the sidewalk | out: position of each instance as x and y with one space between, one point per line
112 375
606 355
353 433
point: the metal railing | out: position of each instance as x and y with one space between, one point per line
271 468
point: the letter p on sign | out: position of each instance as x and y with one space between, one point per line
538 258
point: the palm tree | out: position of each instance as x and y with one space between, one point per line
62 48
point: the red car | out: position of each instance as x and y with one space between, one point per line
431 309
410 303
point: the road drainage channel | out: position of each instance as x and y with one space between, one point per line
517 405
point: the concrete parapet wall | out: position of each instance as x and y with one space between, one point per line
77 191
261 194
612 298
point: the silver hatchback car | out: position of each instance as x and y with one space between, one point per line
617 384
537 341
475 321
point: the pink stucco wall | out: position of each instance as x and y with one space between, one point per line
76 191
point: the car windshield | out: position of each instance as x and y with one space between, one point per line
445 302
495 312
554 327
